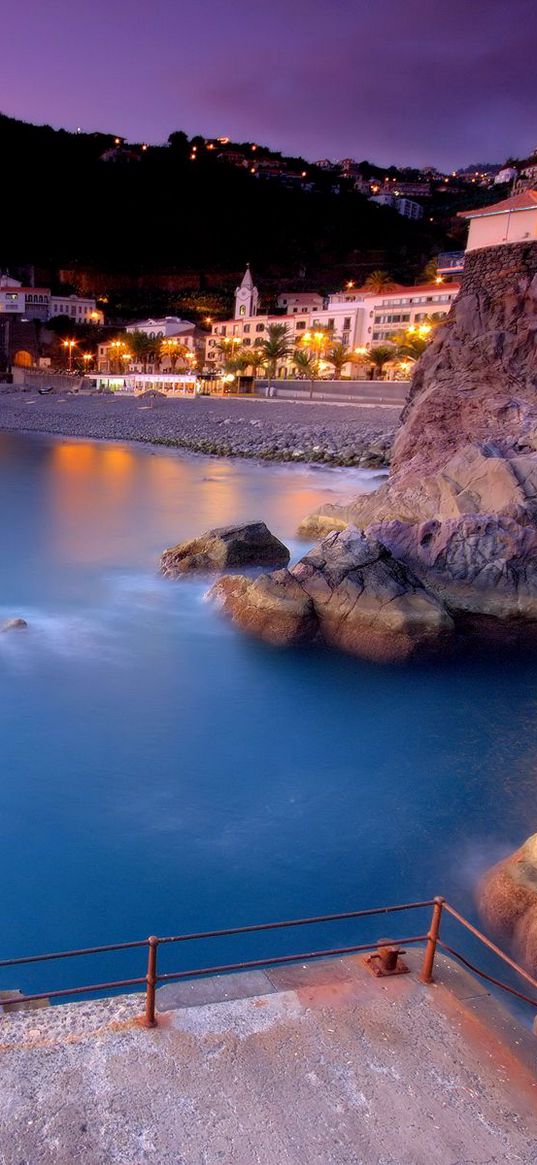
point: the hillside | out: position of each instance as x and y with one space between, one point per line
178 209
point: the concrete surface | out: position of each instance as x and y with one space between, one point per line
316 1064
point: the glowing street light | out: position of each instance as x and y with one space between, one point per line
70 344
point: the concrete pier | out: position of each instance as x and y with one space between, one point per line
316 1064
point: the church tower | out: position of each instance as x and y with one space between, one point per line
246 296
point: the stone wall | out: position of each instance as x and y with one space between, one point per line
494 269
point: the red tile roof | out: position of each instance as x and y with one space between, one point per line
405 289
526 200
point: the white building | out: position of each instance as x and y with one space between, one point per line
357 318
299 302
30 302
513 220
508 174
172 334
163 328
246 296
404 206
79 308
37 303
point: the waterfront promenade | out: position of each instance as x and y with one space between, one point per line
319 1063
244 427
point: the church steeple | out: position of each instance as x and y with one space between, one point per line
246 296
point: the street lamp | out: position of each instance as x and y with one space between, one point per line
116 346
70 344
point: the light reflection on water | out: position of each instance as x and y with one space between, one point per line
162 773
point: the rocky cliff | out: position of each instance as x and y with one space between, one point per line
459 509
468 434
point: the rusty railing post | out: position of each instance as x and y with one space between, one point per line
426 974
151 981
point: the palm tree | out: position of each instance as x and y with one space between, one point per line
380 282
144 348
256 359
173 350
306 365
430 271
229 351
275 347
338 355
378 357
413 342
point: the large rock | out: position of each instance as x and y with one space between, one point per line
507 902
249 545
480 563
468 436
350 592
273 607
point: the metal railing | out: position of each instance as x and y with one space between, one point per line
152 978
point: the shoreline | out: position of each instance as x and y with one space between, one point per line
283 432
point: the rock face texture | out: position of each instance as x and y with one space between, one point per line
248 545
468 436
349 592
273 607
507 900
480 563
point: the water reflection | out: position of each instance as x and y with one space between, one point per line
169 497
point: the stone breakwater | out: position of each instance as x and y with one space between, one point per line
269 430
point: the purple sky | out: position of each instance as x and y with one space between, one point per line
444 82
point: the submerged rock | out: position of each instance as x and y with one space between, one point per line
507 901
13 625
350 592
251 544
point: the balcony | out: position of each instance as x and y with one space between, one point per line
450 262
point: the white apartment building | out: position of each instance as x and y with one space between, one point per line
162 328
30 302
378 315
115 353
404 206
80 309
358 318
299 302
37 303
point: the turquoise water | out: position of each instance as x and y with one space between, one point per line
162 773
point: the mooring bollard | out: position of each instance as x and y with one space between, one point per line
426 974
151 980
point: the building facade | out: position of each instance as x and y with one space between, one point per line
171 335
358 319
37 303
78 308
299 302
514 220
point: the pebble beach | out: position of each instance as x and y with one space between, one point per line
269 430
